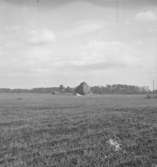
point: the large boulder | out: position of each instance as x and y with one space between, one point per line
83 89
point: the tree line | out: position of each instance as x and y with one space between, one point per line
119 89
61 89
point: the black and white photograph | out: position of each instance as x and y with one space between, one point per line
78 83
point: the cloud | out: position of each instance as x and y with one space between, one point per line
23 48
84 28
41 36
55 3
96 66
27 34
100 55
147 15
111 51
40 58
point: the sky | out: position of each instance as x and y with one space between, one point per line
46 43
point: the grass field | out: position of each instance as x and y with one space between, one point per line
64 131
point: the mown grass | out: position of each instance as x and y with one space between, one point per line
64 131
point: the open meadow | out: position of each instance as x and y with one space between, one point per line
43 130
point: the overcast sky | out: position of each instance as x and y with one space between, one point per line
47 43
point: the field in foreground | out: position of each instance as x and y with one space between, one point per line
64 131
